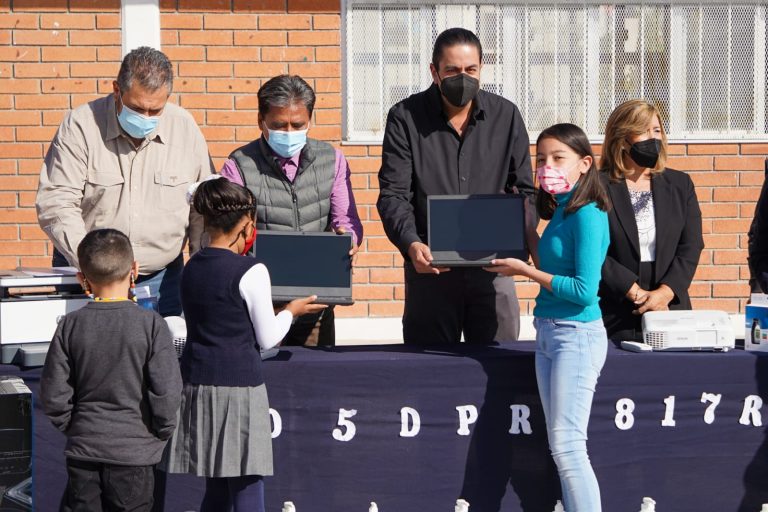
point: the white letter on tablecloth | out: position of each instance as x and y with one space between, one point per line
408 415
624 419
277 423
714 401
669 412
467 417
349 427
750 415
520 423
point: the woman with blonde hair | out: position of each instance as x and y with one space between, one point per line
655 223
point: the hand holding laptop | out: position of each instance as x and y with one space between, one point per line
508 267
354 248
421 257
304 306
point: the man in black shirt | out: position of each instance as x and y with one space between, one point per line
451 139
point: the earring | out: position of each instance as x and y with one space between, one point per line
132 290
87 288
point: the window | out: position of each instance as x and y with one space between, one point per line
703 64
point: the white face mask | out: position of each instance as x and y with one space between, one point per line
554 180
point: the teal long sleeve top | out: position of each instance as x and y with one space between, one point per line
572 249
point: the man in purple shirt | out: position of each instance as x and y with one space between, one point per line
300 184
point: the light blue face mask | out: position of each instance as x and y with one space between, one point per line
136 125
287 144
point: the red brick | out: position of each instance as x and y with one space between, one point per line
376 292
310 38
233 85
400 292
69 86
35 133
735 257
350 150
220 149
169 37
323 85
710 210
259 5
369 165
11 248
356 310
369 259
5 5
314 6
326 22
250 102
690 163
45 101
673 149
713 149
8 199
754 149
189 85
105 86
19 150
32 233
40 37
747 210
53 117
292 54
328 101
7 134
218 133
45 70
731 226
7 262
386 309
94 5
19 21
184 53
359 275
715 241
328 54
700 290
95 70
5 37
212 101
728 305
360 182
9 233
107 21
739 163
705 258
67 21
181 21
714 179
206 37
94 37
717 273
704 194
19 54
326 133
6 101
246 134
204 5
12 118
386 275
751 178
284 22
230 21
736 194
35 261
39 5
242 117
228 54
379 244
261 38
68 54
312 69
205 69
259 69
20 215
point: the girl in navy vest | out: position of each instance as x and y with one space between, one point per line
224 431
571 343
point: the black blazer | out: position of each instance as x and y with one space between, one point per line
678 244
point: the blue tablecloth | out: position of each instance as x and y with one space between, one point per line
704 459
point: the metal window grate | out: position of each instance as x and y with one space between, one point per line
703 64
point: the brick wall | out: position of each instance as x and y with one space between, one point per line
58 54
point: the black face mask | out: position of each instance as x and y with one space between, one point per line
459 89
646 152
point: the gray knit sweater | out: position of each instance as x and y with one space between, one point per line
111 383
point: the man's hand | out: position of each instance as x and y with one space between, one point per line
354 249
655 300
421 257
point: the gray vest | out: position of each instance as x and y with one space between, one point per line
305 204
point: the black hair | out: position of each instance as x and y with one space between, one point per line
590 189
223 203
105 256
452 37
285 90
146 66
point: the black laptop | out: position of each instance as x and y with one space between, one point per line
472 230
302 264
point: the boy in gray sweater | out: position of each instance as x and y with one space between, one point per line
111 383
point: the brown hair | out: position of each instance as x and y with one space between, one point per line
589 190
630 118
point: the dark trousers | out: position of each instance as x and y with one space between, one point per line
96 487
238 494
438 308
313 330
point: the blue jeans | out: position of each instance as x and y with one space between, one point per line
164 284
569 357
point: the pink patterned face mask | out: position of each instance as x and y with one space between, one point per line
553 180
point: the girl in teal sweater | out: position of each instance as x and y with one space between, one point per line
571 343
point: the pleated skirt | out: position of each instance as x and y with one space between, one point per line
221 432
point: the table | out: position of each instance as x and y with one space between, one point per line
415 429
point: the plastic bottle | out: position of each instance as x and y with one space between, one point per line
373 507
461 506
648 505
559 507
755 331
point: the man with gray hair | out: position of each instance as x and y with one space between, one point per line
125 162
300 184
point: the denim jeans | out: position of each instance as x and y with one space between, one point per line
569 357
164 284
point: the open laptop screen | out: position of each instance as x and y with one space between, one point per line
302 264
474 229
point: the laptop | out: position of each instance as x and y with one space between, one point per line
302 264
472 230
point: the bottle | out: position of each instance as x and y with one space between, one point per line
373 507
145 299
288 506
755 331
461 506
648 505
559 507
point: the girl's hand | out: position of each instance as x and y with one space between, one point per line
508 267
299 307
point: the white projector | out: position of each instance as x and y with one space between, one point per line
688 330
